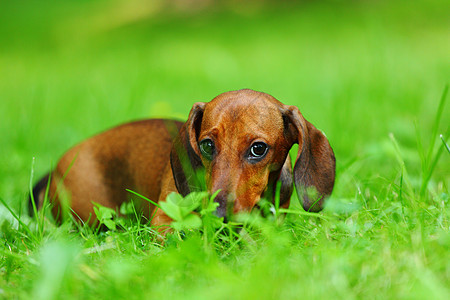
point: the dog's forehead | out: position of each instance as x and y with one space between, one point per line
249 112
242 104
244 97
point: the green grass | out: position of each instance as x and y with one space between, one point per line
371 75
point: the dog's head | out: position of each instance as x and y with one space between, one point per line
241 140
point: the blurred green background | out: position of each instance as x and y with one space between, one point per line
358 70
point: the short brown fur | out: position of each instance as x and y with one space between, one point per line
157 157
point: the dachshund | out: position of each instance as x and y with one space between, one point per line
236 144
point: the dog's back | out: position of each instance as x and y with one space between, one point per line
100 169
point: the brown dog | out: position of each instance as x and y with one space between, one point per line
240 140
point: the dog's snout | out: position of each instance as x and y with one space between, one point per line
225 205
221 212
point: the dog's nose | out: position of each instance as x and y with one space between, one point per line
221 212
223 209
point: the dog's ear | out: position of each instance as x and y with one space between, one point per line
315 167
184 156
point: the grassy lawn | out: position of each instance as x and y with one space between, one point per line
371 74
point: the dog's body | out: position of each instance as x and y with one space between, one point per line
240 140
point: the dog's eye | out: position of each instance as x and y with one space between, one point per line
207 148
258 150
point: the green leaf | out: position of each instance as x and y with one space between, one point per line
105 215
192 201
192 221
210 208
103 212
110 224
171 208
178 207
127 208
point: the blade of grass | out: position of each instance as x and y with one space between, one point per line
30 186
45 204
277 198
24 226
432 167
303 213
445 143
400 193
437 122
430 162
64 201
420 149
143 197
400 160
